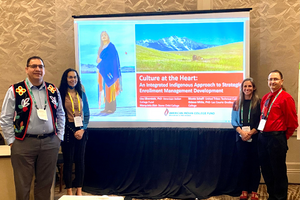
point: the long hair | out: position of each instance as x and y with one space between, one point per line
63 88
241 97
102 43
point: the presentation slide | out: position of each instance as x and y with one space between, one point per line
162 70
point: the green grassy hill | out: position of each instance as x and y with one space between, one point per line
222 58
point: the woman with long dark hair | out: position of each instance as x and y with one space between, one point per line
245 119
77 118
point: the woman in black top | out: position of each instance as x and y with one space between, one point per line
245 119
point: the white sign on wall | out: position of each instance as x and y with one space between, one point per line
298 129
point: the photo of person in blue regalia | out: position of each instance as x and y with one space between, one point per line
109 73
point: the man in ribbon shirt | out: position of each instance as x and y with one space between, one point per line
278 123
32 120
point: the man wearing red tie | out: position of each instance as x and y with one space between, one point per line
278 123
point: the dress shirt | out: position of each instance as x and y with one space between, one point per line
36 126
282 116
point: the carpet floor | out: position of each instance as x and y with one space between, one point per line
293 193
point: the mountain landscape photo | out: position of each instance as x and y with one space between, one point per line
182 54
173 43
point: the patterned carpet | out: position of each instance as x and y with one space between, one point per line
293 194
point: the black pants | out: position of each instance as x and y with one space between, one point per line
73 152
272 155
249 174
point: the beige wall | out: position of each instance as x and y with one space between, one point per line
45 28
274 44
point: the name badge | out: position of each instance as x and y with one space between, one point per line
247 129
78 121
262 124
42 114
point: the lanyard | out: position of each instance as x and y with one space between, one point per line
73 109
242 116
272 103
32 96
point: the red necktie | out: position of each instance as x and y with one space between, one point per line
266 107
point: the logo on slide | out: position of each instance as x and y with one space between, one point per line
166 112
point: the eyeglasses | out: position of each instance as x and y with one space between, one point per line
35 66
274 79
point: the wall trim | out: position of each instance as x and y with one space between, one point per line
293 172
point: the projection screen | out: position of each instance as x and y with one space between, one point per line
165 69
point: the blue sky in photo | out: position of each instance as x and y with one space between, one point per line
219 33
122 36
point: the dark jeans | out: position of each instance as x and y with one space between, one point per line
73 152
249 176
272 155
